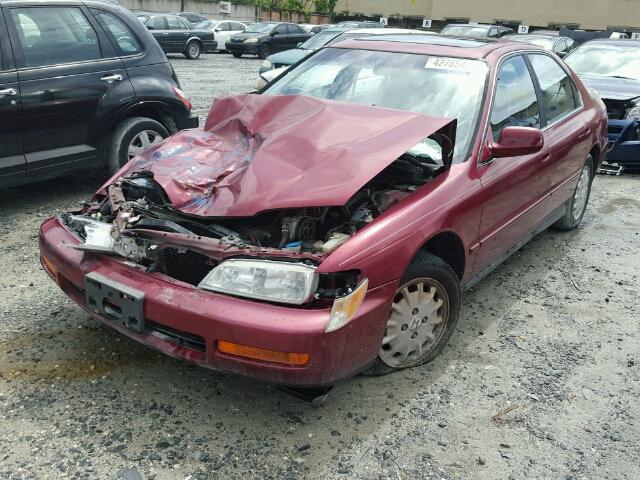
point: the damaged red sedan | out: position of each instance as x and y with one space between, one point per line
328 225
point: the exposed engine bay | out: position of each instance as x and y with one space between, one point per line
136 206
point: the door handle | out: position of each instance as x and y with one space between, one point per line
111 78
8 91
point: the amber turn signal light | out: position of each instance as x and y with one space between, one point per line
286 358
49 267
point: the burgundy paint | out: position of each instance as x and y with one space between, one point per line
488 204
259 153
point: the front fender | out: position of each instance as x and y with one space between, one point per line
383 249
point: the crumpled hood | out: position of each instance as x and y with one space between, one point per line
258 153
611 88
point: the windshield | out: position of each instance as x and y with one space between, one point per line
319 40
606 60
436 86
205 25
465 31
259 28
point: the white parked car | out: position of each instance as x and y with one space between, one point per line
222 29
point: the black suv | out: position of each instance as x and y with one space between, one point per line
83 85
175 35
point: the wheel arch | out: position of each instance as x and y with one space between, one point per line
448 246
156 110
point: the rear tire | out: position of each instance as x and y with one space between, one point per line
577 204
423 315
193 50
264 51
131 137
237 54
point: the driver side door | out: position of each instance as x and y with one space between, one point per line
515 189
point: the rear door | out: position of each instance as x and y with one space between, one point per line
12 161
567 131
158 28
296 35
178 33
70 78
514 188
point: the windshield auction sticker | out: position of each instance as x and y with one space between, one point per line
448 63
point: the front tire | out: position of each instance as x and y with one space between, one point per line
193 50
577 204
264 51
130 138
423 315
237 54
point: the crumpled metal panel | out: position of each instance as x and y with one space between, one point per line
258 153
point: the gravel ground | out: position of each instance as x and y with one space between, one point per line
540 381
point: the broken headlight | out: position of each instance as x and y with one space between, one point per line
268 280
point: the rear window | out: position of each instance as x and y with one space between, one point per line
125 40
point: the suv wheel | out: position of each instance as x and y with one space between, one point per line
265 51
423 315
193 50
131 137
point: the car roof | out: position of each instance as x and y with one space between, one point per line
442 45
623 42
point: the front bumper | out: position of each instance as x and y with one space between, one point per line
626 143
185 322
248 48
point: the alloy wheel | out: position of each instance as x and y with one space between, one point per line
142 141
418 318
582 193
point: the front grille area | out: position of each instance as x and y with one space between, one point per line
616 109
189 340
187 266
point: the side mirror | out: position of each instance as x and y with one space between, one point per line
149 27
218 29
516 141
274 33
562 54
299 45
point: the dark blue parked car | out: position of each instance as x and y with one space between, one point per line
612 67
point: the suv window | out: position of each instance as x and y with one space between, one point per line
55 35
515 102
557 88
175 23
157 23
125 40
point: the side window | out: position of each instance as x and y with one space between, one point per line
515 102
237 26
157 23
125 40
55 35
296 30
493 32
224 26
282 29
557 88
175 23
